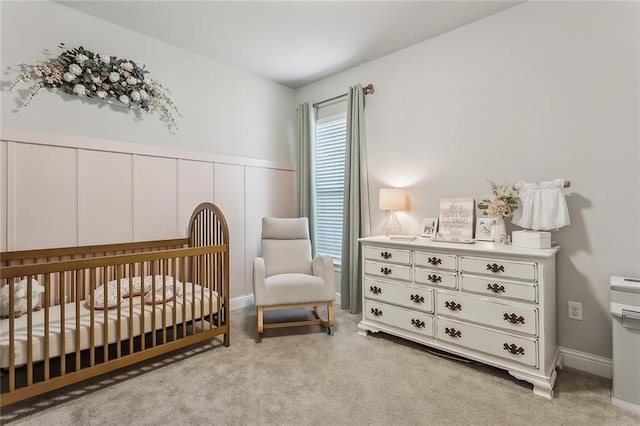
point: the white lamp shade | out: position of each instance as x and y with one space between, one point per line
392 199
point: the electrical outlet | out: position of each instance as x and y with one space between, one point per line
575 310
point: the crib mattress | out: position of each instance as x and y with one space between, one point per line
182 303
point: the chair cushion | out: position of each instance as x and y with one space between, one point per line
296 288
286 247
276 228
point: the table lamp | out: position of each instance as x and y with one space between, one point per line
392 200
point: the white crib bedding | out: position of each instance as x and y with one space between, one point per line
38 331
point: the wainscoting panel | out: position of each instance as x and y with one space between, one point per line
155 198
284 184
105 197
258 205
62 190
3 196
229 190
195 186
42 196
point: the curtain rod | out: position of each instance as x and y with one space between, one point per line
366 89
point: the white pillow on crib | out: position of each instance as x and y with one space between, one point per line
98 297
20 298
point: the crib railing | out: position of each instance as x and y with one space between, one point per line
50 340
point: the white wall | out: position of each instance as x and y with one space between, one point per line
225 110
539 91
68 156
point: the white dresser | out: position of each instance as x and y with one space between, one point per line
484 301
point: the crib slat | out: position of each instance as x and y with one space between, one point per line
92 321
47 342
29 331
12 336
79 282
105 323
63 327
119 314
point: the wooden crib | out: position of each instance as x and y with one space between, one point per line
67 335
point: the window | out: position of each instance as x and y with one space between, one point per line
330 144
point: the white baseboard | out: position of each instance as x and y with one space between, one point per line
247 300
241 302
589 363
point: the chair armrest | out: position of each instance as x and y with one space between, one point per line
323 268
259 290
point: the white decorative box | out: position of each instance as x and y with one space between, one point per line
531 239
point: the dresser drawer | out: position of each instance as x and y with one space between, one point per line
499 288
497 267
410 296
388 270
406 319
436 260
437 278
494 314
382 254
503 345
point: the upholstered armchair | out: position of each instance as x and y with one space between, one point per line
286 276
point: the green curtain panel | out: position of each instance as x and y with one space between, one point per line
306 174
356 222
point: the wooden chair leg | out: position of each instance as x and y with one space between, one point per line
260 315
330 314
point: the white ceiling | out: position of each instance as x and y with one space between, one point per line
291 42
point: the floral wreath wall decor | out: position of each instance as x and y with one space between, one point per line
85 74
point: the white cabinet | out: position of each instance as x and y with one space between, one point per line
485 301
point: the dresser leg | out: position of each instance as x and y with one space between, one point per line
363 329
541 386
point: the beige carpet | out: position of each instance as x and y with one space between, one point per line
302 376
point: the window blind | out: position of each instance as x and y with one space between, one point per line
329 167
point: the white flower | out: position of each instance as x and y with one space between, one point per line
79 89
135 96
132 80
95 79
37 72
124 84
68 77
105 59
88 71
114 76
101 94
124 99
127 66
80 58
143 94
75 68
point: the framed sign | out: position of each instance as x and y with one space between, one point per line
456 219
429 227
485 227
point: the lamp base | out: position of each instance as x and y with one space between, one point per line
392 225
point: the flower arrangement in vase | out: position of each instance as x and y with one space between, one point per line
502 203
85 74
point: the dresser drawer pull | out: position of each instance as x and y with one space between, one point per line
495 288
453 306
377 312
416 298
385 255
417 323
385 270
375 289
434 260
452 332
515 350
434 278
513 319
495 268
